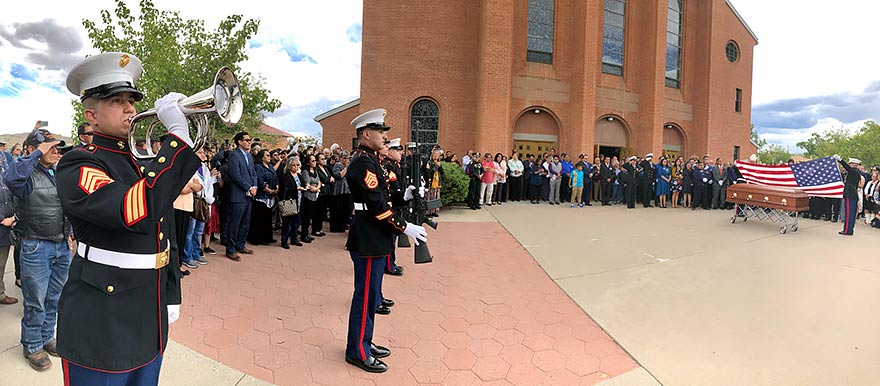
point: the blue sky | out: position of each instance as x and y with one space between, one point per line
813 72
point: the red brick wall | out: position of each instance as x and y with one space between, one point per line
470 57
337 128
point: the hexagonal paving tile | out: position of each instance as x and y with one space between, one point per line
488 315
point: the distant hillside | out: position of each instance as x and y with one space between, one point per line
12 139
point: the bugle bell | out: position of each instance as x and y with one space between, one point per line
222 98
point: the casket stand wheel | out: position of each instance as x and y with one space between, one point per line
769 204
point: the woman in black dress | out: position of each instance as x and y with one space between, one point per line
290 187
260 232
687 184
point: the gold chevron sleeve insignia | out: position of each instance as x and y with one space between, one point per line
92 179
384 215
370 180
135 205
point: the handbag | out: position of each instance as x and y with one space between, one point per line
201 210
288 207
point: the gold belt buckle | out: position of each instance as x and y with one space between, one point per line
161 259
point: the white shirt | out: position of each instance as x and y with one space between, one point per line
516 167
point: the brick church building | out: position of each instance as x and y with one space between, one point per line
615 77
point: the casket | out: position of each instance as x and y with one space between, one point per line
787 199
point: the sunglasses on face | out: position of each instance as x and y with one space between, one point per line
89 133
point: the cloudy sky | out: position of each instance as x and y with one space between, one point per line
815 68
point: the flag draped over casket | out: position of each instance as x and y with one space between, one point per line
818 178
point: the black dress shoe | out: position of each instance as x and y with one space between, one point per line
382 310
379 351
306 240
285 246
397 271
372 364
319 234
840 233
387 303
297 243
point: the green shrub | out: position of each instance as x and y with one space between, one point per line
455 184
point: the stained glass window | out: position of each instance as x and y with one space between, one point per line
540 47
425 120
732 51
673 44
613 37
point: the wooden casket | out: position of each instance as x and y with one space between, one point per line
785 199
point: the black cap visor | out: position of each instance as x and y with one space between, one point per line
107 90
374 126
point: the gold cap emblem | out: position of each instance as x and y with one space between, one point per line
124 60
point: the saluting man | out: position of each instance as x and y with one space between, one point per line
370 239
121 293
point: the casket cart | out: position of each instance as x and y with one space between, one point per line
768 203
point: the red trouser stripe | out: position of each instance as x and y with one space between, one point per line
364 312
846 216
66 372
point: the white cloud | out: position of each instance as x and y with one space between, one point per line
788 138
320 30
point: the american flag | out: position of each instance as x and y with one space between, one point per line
819 178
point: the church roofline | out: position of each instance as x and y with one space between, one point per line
741 20
337 110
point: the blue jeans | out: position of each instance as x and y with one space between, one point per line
616 194
289 227
193 240
44 266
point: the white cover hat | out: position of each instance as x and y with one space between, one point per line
106 74
373 119
855 161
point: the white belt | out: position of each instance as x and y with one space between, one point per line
123 260
360 206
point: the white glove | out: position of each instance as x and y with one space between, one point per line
416 233
837 157
408 194
172 116
173 313
705 180
422 191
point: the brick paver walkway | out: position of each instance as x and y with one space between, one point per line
483 313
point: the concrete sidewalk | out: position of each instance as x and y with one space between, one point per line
697 300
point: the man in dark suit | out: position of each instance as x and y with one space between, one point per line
606 181
239 193
647 180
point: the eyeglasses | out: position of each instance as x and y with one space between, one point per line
89 133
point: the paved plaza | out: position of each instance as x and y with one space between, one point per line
522 294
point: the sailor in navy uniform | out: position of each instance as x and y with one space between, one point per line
850 193
370 239
122 291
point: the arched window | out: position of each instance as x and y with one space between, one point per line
425 121
540 46
673 44
612 39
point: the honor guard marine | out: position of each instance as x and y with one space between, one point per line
123 290
370 239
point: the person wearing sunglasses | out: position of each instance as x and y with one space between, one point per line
85 133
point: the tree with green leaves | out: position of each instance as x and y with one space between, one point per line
864 145
181 55
773 154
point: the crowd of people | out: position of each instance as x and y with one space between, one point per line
669 182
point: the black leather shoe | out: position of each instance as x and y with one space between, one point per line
297 243
285 246
319 234
306 240
382 310
379 351
840 233
397 271
387 303
372 365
